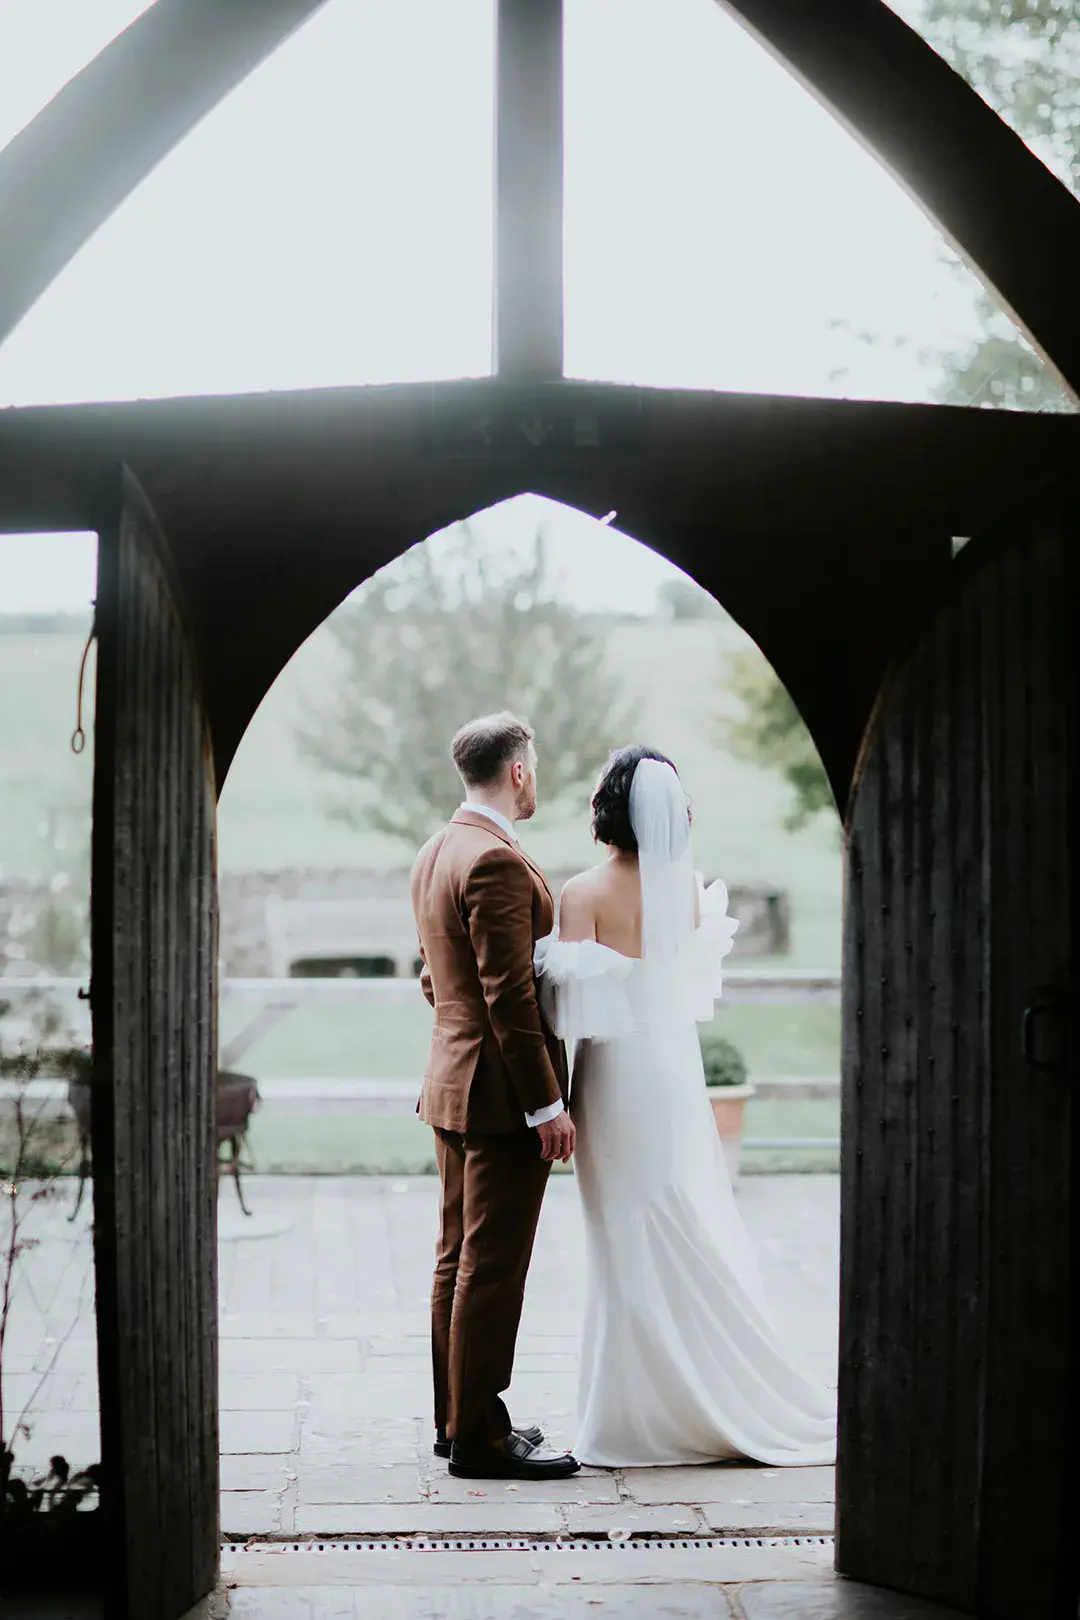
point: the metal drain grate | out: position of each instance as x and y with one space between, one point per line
511 1544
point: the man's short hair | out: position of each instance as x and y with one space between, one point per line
483 748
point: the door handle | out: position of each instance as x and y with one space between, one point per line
1050 1001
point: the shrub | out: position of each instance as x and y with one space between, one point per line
724 1063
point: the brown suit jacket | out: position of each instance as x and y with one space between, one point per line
480 907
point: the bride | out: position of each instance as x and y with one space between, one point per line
680 1362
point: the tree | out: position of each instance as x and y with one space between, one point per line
679 599
769 730
450 631
1023 57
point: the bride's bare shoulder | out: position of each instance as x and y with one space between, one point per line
577 905
583 882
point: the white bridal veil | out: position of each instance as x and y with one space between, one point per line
590 992
661 824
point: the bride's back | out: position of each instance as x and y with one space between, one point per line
605 904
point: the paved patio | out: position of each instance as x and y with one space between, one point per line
326 1432
325 1382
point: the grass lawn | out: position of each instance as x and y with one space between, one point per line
366 1146
391 1043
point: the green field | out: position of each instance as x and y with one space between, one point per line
404 1146
391 1042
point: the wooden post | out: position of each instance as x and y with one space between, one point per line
528 336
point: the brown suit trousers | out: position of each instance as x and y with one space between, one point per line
492 1189
480 907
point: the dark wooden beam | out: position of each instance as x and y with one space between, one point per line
995 201
823 525
73 164
529 189
333 460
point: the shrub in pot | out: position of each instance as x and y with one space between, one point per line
728 1088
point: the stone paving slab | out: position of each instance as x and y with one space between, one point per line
432 1518
841 1600
769 1518
299 1356
728 1482
249 1513
577 1490
593 1520
340 1482
686 1602
261 1391
380 1439
243 1432
257 1471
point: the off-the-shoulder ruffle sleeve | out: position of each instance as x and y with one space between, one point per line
713 940
583 989
586 991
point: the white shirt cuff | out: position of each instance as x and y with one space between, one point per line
552 1111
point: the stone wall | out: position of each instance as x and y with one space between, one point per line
368 916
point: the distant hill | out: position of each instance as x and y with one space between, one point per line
272 807
45 624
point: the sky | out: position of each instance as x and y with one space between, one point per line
331 223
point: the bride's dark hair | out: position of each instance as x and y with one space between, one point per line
611 801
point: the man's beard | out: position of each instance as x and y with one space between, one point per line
526 802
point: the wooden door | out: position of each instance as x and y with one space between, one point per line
956 1397
153 1000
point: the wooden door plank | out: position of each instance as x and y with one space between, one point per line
1028 1346
153 999
956 1391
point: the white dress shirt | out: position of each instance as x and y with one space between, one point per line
553 1110
493 815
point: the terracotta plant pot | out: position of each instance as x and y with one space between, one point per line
728 1106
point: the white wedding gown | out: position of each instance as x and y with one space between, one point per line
680 1360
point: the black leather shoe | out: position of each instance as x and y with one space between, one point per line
535 1437
517 1459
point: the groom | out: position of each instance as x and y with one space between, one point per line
494 1091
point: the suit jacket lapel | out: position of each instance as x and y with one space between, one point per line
531 864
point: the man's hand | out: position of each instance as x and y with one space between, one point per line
557 1138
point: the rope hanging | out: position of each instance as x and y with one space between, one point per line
78 736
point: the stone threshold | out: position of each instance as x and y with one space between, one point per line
501 1562
563 1540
